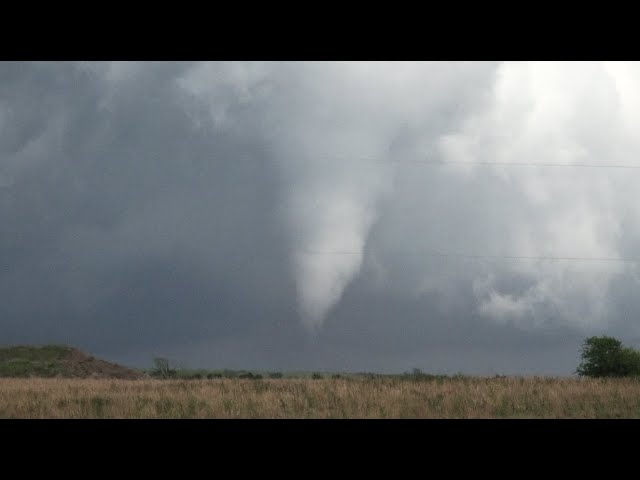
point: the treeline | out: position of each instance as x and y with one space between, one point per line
601 356
162 369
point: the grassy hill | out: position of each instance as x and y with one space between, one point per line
58 361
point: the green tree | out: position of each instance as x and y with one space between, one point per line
630 360
162 368
607 357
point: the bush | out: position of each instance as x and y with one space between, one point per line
275 375
607 357
415 374
162 368
316 376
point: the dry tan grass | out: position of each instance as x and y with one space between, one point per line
328 398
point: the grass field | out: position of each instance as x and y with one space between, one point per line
357 397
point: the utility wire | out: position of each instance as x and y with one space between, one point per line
494 257
446 162
525 164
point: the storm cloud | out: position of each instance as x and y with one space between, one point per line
453 216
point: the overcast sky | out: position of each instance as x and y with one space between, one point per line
294 216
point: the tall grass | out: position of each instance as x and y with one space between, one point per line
432 397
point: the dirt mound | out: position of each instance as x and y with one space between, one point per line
58 361
80 364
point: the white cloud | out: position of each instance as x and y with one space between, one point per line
331 129
557 113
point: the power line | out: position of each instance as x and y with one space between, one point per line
506 164
473 256
526 164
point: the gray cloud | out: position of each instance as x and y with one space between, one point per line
197 210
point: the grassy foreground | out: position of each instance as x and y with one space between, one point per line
457 397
